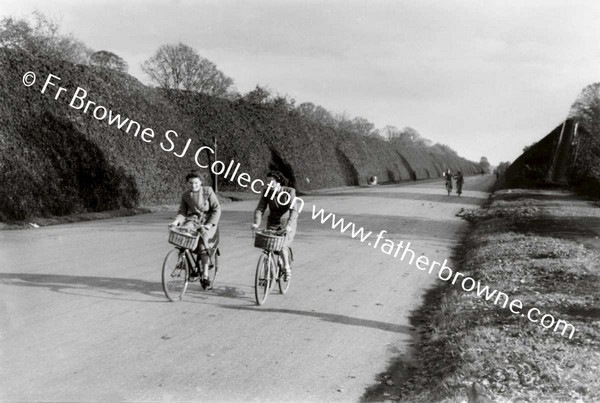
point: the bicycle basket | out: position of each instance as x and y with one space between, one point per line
268 241
184 239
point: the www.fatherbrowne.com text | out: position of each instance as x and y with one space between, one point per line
404 252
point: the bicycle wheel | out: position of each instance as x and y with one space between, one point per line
284 284
175 275
263 278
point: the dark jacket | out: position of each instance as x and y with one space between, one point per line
277 210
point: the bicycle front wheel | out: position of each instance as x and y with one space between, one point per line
263 278
175 275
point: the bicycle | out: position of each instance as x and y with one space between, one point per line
270 266
180 264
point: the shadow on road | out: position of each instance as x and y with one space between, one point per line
112 287
332 317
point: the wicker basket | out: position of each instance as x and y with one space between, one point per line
184 239
268 241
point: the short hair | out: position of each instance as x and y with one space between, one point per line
279 177
195 174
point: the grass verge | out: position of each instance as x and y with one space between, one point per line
525 247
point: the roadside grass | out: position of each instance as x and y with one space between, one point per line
463 339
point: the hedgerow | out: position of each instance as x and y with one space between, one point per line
56 159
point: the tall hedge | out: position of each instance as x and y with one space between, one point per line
55 159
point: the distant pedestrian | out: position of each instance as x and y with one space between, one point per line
459 182
414 176
448 178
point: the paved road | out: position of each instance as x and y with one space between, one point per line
83 316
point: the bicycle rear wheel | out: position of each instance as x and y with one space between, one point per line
175 275
263 278
284 284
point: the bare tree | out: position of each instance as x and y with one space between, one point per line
323 116
390 132
41 36
306 109
109 60
258 96
181 67
586 108
316 113
362 126
410 134
343 121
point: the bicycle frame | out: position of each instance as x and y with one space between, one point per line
274 256
189 258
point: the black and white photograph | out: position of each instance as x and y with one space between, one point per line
300 201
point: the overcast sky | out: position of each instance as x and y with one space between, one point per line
484 77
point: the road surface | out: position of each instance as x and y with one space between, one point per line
83 316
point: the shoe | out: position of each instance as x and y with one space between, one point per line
194 275
205 283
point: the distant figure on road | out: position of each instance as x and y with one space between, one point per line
414 176
459 182
448 177
200 211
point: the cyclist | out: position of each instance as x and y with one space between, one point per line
200 211
280 199
459 182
